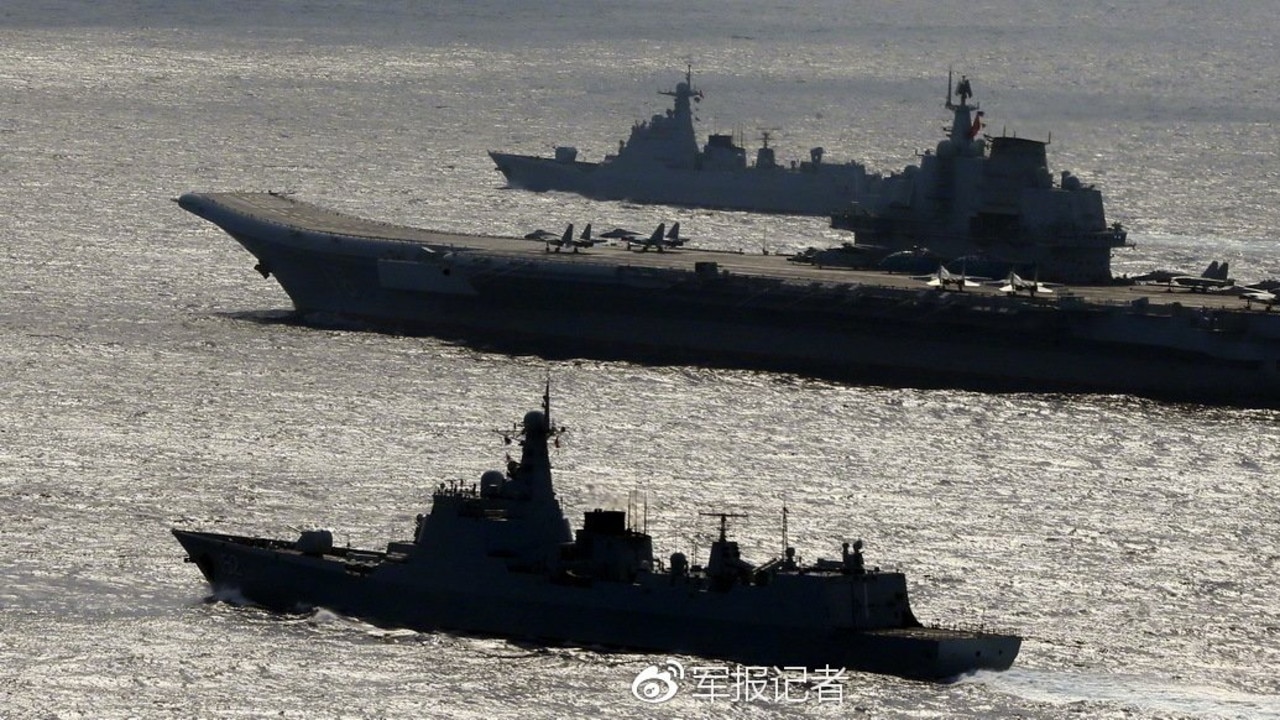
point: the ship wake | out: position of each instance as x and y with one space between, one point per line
1083 691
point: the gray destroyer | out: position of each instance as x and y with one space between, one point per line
660 163
499 559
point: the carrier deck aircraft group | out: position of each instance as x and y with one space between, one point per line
753 311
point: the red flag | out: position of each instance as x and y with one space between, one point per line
977 125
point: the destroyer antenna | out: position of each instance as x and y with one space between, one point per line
645 529
785 545
724 521
546 401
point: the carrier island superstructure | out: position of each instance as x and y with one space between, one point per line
990 199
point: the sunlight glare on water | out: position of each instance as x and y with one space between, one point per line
153 379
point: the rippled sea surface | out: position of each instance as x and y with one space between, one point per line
151 379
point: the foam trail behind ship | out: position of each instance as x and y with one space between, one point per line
1085 690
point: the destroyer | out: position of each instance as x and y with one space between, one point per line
499 559
688 306
661 163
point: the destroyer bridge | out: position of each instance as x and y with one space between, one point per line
731 309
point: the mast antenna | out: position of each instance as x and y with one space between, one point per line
785 544
724 521
546 401
645 529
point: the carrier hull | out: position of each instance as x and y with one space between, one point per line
760 312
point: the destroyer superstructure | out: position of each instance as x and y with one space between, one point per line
661 163
498 558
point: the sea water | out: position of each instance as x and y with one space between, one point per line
151 379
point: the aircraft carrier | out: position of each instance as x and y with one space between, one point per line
753 311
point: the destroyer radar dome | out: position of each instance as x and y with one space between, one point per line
535 420
679 563
491 483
